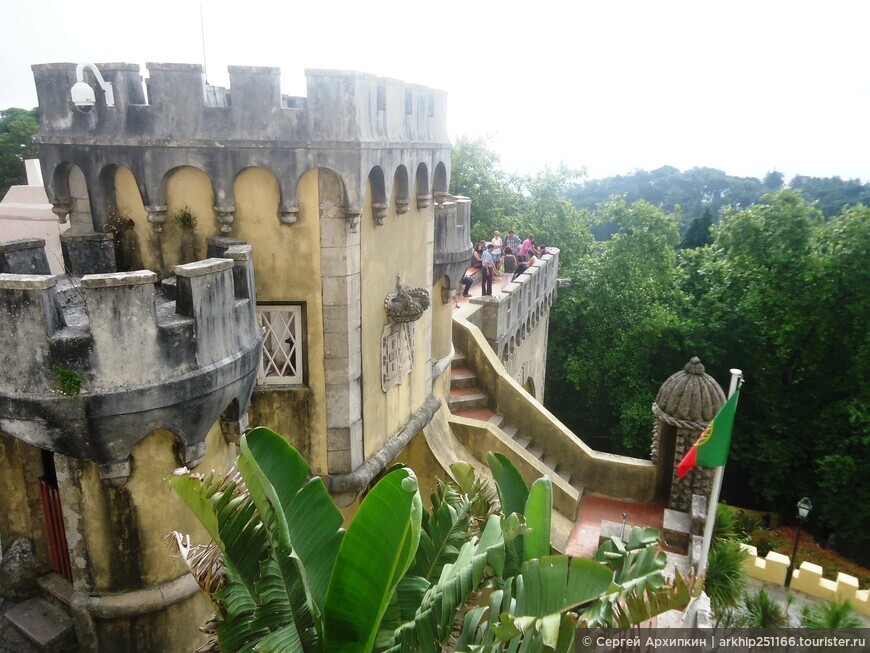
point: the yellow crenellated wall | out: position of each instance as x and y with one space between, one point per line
807 579
397 247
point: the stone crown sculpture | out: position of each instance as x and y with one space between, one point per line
406 304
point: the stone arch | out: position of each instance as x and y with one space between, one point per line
72 180
378 194
134 249
424 197
189 217
402 188
439 182
529 386
262 204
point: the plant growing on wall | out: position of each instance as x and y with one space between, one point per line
283 575
185 219
69 380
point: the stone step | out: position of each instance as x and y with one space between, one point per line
496 420
462 377
550 461
467 399
56 588
480 414
564 475
42 622
523 442
459 360
511 432
536 450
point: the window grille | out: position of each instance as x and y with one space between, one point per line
282 344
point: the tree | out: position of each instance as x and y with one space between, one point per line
698 233
616 327
773 180
782 294
17 127
284 576
496 199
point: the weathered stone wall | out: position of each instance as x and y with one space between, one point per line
143 361
619 477
516 322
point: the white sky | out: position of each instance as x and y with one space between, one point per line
611 85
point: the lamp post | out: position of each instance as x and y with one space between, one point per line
803 510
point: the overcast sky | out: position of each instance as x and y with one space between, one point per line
745 87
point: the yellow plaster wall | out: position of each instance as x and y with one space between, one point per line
399 246
20 503
442 323
125 527
287 269
140 247
190 188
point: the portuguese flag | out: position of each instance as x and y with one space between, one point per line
711 449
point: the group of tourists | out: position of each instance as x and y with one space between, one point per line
498 256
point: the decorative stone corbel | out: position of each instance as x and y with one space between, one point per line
379 210
156 216
351 214
115 474
289 214
193 454
441 197
225 217
232 429
423 201
402 205
62 208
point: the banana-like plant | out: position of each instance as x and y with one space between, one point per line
284 576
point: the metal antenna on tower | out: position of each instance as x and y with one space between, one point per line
202 32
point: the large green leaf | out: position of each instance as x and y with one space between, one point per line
443 532
433 621
554 584
539 514
375 553
512 489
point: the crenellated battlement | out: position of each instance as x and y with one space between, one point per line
174 357
180 105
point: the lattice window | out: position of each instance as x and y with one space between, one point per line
282 346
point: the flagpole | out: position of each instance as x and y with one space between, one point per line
736 375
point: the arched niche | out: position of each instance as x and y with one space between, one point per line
135 246
257 197
74 185
190 215
402 190
424 196
439 183
378 194
529 386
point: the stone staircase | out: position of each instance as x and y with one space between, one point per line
45 620
467 400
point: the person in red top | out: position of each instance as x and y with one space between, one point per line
528 247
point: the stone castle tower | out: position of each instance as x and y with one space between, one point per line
232 253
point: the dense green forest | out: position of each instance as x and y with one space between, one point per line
17 127
776 283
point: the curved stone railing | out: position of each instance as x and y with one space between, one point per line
90 366
618 477
506 319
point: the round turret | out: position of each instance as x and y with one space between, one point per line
689 398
